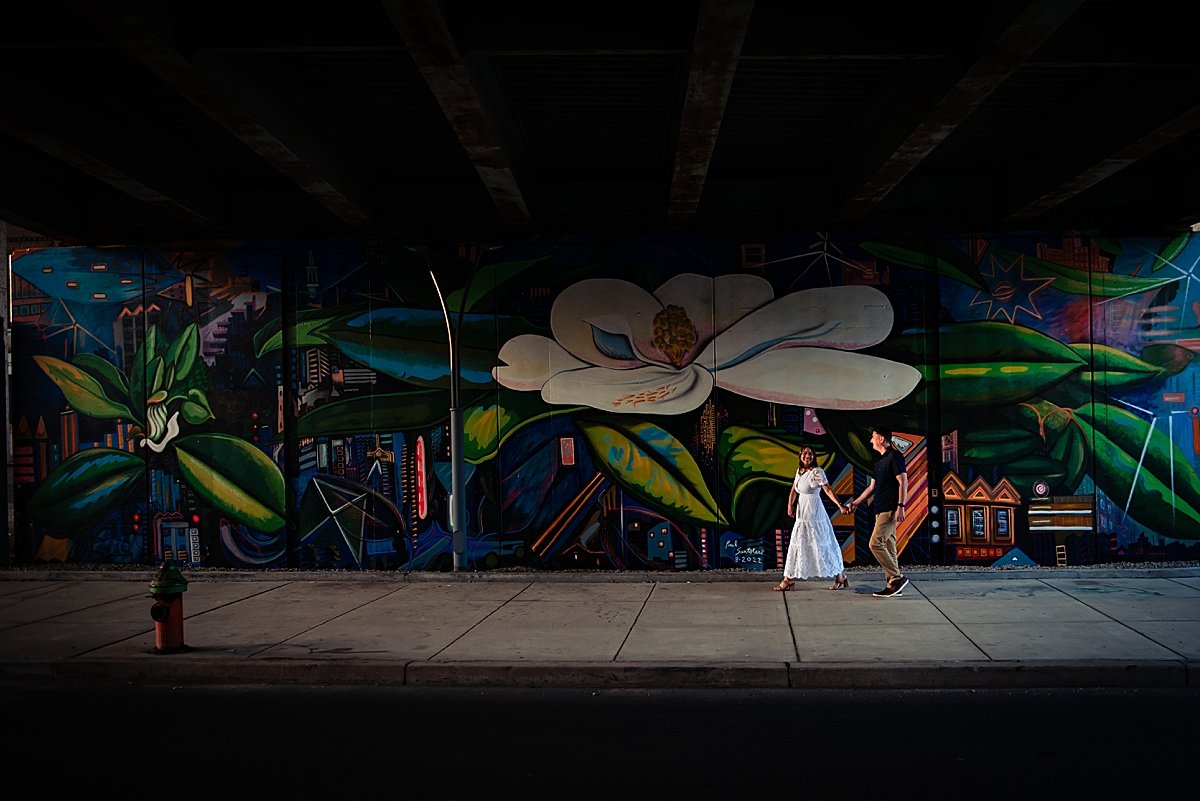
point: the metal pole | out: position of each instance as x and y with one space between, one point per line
457 501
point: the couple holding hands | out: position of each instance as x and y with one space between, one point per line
814 550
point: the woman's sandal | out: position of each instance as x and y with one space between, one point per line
840 583
784 585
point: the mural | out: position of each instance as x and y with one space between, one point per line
632 404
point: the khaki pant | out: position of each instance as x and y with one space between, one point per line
883 544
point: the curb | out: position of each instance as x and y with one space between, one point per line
171 670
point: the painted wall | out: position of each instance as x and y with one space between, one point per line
627 404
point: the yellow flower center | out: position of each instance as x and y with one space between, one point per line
674 334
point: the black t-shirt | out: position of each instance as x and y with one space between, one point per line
887 489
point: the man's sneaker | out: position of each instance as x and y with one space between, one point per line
890 591
899 582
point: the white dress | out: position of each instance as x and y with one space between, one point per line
814 549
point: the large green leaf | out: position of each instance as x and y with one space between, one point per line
1165 488
998 445
761 507
1028 470
1172 358
114 382
487 424
1043 417
653 465
491 284
156 372
411 344
749 457
195 407
851 437
1073 451
271 336
235 477
987 363
1114 369
83 392
745 450
393 411
1170 251
86 488
1085 282
928 254
183 351
140 378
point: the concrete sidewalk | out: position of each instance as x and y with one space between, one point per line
998 628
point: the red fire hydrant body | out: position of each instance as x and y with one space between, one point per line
167 590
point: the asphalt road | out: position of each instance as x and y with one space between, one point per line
297 742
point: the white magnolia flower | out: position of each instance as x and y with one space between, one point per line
619 348
160 429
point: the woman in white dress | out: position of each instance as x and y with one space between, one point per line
814 549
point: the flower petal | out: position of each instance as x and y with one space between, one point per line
172 432
586 304
714 304
820 378
530 360
646 390
843 317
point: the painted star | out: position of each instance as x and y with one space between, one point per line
1008 295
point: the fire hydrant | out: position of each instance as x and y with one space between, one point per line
167 590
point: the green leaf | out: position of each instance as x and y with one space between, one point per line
270 336
1085 282
86 488
1172 358
930 255
183 351
653 465
1025 472
411 344
1112 369
488 424
1170 251
1045 418
748 455
393 411
851 438
114 382
1073 451
196 409
761 507
138 372
155 368
84 393
1165 487
987 363
998 445
236 478
491 284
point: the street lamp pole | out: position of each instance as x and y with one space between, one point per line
457 500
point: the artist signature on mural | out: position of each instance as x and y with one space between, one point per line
744 552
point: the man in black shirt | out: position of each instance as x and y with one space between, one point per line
890 487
